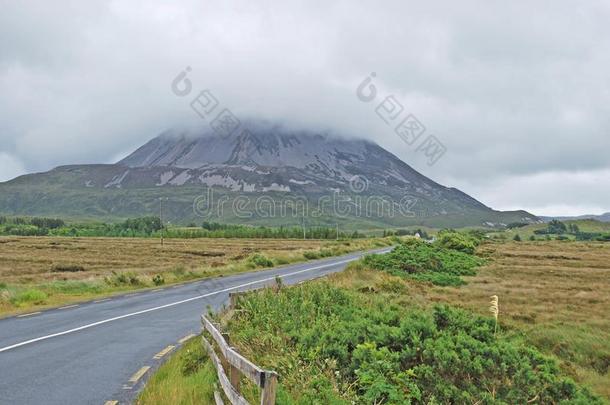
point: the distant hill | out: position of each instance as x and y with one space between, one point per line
603 217
525 232
201 175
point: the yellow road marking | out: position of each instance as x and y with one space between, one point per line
164 352
68 306
30 314
111 403
139 374
104 300
187 337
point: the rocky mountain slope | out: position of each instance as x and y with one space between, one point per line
340 179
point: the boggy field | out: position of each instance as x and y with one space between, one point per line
43 271
33 259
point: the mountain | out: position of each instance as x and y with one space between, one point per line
267 175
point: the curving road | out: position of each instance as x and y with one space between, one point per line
103 351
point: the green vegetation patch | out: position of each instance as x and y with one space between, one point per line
337 346
429 262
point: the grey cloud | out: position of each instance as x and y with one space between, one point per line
512 89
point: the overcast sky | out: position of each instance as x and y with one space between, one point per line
518 92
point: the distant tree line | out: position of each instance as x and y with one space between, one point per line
556 227
404 232
28 226
39 226
151 227
217 230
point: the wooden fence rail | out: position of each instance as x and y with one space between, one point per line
232 363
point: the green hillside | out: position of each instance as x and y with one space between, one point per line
186 204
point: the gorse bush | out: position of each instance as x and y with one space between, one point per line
426 262
333 345
463 242
260 260
158 280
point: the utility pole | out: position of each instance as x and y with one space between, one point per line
161 217
304 235
337 231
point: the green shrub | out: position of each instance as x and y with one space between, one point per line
260 260
368 351
466 243
158 280
426 262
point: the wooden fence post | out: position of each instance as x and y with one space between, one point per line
270 388
230 366
233 371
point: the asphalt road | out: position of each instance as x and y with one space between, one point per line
99 351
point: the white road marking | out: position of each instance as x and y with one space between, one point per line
69 306
30 314
104 300
187 337
139 374
164 352
198 297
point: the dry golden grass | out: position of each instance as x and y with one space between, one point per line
47 271
556 294
32 259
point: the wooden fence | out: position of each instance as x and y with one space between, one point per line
230 365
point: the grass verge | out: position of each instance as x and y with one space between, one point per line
186 378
